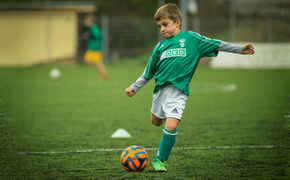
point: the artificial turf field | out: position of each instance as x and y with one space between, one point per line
235 125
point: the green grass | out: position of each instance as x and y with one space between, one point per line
77 112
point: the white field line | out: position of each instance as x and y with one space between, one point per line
149 149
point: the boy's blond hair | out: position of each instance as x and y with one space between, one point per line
91 17
170 11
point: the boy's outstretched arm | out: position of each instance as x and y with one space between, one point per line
233 48
136 86
248 49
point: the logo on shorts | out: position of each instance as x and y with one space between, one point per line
174 111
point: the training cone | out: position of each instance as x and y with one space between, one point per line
121 133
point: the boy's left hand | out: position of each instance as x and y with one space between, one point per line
248 49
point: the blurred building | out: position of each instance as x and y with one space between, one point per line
45 31
40 32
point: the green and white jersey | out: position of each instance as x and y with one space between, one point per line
174 60
95 38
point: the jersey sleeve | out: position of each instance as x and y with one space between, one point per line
206 46
141 81
229 47
150 69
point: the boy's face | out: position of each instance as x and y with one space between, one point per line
88 22
169 28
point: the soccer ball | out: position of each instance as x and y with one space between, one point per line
134 158
55 74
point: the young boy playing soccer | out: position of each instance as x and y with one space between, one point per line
172 64
93 55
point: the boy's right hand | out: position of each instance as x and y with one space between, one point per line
130 92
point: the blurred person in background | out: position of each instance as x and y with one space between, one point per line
93 55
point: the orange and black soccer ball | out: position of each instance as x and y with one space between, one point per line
134 158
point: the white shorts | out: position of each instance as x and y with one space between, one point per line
169 102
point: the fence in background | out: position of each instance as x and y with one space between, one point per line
128 36
133 36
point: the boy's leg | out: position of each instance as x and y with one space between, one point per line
102 70
156 121
171 124
168 139
94 58
168 102
166 143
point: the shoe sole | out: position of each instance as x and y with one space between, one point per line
161 170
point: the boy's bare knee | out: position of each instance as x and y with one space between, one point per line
171 124
156 121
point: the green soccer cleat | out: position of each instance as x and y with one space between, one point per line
158 166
